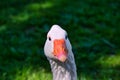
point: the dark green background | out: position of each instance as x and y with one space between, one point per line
93 27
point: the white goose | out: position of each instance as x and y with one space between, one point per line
58 51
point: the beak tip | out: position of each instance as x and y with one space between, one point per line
62 58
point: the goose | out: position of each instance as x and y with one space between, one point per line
58 51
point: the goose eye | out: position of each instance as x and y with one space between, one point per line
66 37
49 38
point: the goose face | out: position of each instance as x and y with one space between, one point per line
57 44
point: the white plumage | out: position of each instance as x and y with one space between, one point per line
58 51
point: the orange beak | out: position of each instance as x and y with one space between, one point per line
60 50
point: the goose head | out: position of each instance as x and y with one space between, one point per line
57 45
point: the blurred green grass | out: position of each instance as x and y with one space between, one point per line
93 28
